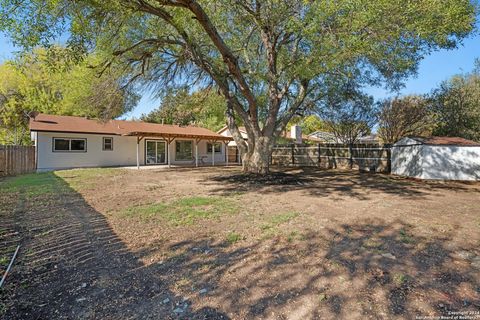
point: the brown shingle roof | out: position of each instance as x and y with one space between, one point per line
53 123
445 141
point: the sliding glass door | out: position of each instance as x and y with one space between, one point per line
156 152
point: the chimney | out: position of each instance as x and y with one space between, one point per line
296 134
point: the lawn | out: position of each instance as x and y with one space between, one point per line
213 243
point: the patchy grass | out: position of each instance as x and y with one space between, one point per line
271 227
295 235
342 219
32 185
405 237
185 211
322 297
399 279
82 179
4 261
38 184
233 237
372 244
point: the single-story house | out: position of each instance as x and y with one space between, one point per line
291 136
445 158
329 137
64 142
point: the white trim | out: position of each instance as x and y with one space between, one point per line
156 151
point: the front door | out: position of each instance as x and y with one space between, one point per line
156 152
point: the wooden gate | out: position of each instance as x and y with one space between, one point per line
233 155
17 160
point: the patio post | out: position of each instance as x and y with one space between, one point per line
168 152
226 154
139 138
138 155
213 153
196 152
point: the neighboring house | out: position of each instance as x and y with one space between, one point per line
72 142
285 135
370 139
226 133
329 137
445 158
323 137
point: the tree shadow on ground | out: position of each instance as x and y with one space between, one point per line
73 265
329 183
356 270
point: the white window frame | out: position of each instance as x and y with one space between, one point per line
191 150
69 145
103 143
219 144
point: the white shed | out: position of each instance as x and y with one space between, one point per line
443 158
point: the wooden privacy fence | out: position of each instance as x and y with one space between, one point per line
364 157
16 160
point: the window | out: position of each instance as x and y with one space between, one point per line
107 144
218 147
69 145
183 150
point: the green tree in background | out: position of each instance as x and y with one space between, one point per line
404 116
204 108
57 81
348 114
456 106
309 124
270 59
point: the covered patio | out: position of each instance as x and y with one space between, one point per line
157 154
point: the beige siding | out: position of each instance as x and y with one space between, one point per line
123 154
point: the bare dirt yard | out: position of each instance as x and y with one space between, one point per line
211 243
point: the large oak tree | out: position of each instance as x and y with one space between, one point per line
270 59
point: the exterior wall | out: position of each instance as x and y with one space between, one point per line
226 133
124 152
451 162
407 160
411 159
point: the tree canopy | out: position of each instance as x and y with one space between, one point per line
349 114
270 59
456 106
404 116
56 81
204 108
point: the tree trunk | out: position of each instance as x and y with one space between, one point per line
257 159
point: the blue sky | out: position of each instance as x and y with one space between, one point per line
435 68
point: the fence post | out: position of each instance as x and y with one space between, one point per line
350 154
319 155
293 154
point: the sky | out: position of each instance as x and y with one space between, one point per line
433 69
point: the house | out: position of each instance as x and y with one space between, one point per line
291 137
329 137
445 158
323 136
73 142
226 133
370 139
